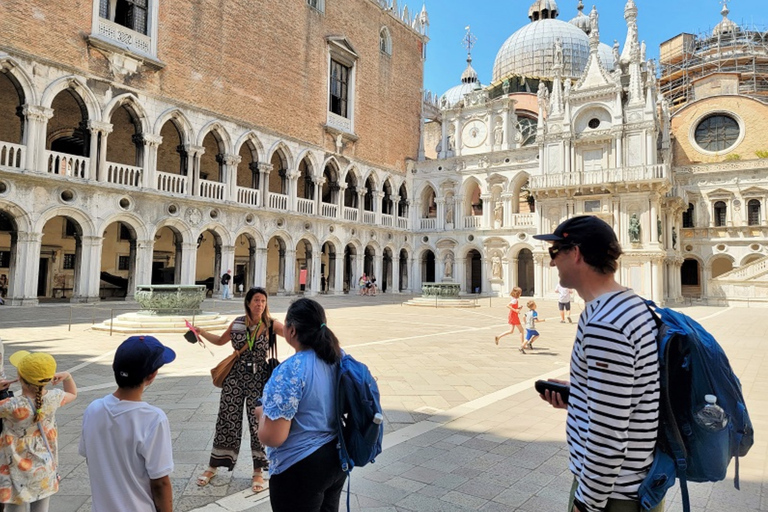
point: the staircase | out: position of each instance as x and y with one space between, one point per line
744 285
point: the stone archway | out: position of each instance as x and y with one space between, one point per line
166 256
276 266
428 266
8 262
525 274
60 263
118 261
350 261
474 266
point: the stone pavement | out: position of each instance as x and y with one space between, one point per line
464 428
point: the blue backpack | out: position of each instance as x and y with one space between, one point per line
360 419
693 365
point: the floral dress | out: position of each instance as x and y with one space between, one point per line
27 467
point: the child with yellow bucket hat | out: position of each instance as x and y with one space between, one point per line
28 442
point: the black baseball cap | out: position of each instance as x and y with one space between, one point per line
138 357
590 233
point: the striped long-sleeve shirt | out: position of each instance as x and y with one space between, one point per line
613 411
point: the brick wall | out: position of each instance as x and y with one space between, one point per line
754 115
263 63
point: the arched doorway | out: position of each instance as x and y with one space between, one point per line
474 267
67 136
690 278
244 272
386 271
208 270
303 278
166 256
11 119
328 268
59 268
276 265
118 261
428 267
403 278
368 262
8 238
525 272
350 260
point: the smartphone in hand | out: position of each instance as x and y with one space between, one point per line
554 387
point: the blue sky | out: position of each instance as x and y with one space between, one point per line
493 21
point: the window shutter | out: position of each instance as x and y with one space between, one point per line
104 9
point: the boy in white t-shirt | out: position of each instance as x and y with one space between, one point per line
127 442
531 317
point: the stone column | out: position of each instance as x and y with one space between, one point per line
485 283
378 196
487 211
227 263
290 272
396 212
188 263
513 273
194 153
657 280
144 257
230 162
35 135
340 201
292 179
378 264
443 140
459 212
264 170
98 150
394 285
360 204
457 138
460 271
538 281
149 164
440 224
313 283
508 213
90 269
318 198
23 281
261 267
654 227
335 269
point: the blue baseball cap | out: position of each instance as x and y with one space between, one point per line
139 356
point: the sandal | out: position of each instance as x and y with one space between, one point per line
257 483
205 478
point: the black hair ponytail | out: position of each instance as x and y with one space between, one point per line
308 318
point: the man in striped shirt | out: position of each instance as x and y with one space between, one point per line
613 409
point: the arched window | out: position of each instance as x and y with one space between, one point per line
688 217
753 212
720 213
526 127
385 41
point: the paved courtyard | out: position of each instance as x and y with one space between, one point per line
464 428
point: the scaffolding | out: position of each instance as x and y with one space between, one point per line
741 50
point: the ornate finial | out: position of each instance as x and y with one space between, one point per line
630 10
725 10
469 42
594 28
580 7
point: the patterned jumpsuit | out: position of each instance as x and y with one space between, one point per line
243 385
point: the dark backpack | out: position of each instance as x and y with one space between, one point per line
693 365
360 420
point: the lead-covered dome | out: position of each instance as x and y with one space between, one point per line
469 83
530 52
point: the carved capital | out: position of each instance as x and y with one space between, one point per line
265 167
37 113
230 159
100 127
193 150
150 139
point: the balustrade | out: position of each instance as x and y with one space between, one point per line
328 210
278 201
522 219
428 224
11 155
212 190
173 183
121 174
249 196
67 165
387 220
369 217
473 221
402 223
305 206
350 214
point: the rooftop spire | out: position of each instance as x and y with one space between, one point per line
542 10
469 75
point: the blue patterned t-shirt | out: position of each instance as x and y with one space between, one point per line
302 390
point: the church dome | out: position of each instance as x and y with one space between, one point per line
469 83
530 52
581 20
725 26
605 53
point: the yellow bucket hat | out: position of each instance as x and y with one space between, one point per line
36 368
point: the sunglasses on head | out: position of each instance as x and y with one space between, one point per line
554 251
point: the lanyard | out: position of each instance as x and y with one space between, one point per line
251 336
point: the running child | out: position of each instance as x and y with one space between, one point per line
514 318
531 317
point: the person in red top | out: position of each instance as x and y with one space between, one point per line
514 318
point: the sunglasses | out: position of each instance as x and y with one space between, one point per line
554 251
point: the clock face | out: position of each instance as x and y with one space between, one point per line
474 133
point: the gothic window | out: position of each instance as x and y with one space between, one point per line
385 41
720 211
131 14
317 4
339 93
753 212
688 217
717 132
526 127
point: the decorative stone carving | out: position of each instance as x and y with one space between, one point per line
634 229
448 263
194 216
170 299
496 267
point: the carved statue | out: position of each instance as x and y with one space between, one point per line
449 212
558 53
505 86
498 213
642 51
567 87
634 229
339 143
674 238
496 267
616 54
498 135
658 226
543 96
448 262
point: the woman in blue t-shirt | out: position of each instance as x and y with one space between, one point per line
298 421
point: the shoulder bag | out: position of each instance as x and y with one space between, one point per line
221 370
272 361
